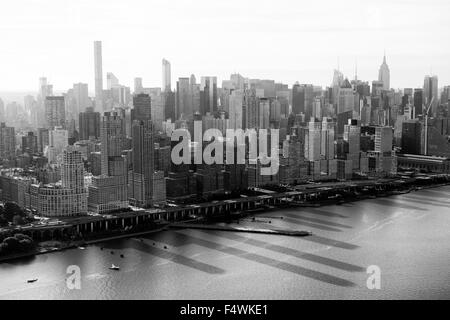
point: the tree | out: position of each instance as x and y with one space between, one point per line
18 220
3 221
13 243
12 209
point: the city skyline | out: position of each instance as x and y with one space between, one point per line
272 52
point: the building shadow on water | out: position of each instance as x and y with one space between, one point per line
309 224
156 251
20 261
325 213
288 251
433 202
315 220
331 242
182 239
430 202
435 193
393 203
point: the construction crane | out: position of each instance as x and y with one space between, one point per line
427 110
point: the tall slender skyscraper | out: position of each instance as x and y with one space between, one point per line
166 76
430 91
384 75
98 75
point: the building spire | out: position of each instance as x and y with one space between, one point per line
384 57
356 69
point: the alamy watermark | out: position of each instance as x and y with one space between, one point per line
234 139
374 280
73 281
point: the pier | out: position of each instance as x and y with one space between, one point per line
281 232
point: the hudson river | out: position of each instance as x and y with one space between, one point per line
406 236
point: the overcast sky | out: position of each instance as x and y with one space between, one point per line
284 40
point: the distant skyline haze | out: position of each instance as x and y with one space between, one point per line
287 41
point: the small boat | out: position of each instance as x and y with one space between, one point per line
165 247
114 267
121 255
112 252
32 280
81 248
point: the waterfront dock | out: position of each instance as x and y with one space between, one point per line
281 232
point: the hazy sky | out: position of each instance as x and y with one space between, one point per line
284 40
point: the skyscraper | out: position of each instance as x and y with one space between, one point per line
67 199
236 109
7 142
183 103
142 105
89 123
264 113
383 139
327 139
111 80
55 111
430 93
352 136
298 99
98 75
143 163
113 142
345 97
138 88
418 101
166 76
208 101
57 142
81 96
108 192
384 75
313 141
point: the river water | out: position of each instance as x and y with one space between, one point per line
407 237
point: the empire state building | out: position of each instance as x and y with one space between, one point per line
384 74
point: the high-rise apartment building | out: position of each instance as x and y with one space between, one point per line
138 88
98 72
111 81
142 105
143 163
108 192
55 111
166 76
89 124
66 199
81 97
208 100
7 142
57 142
184 100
